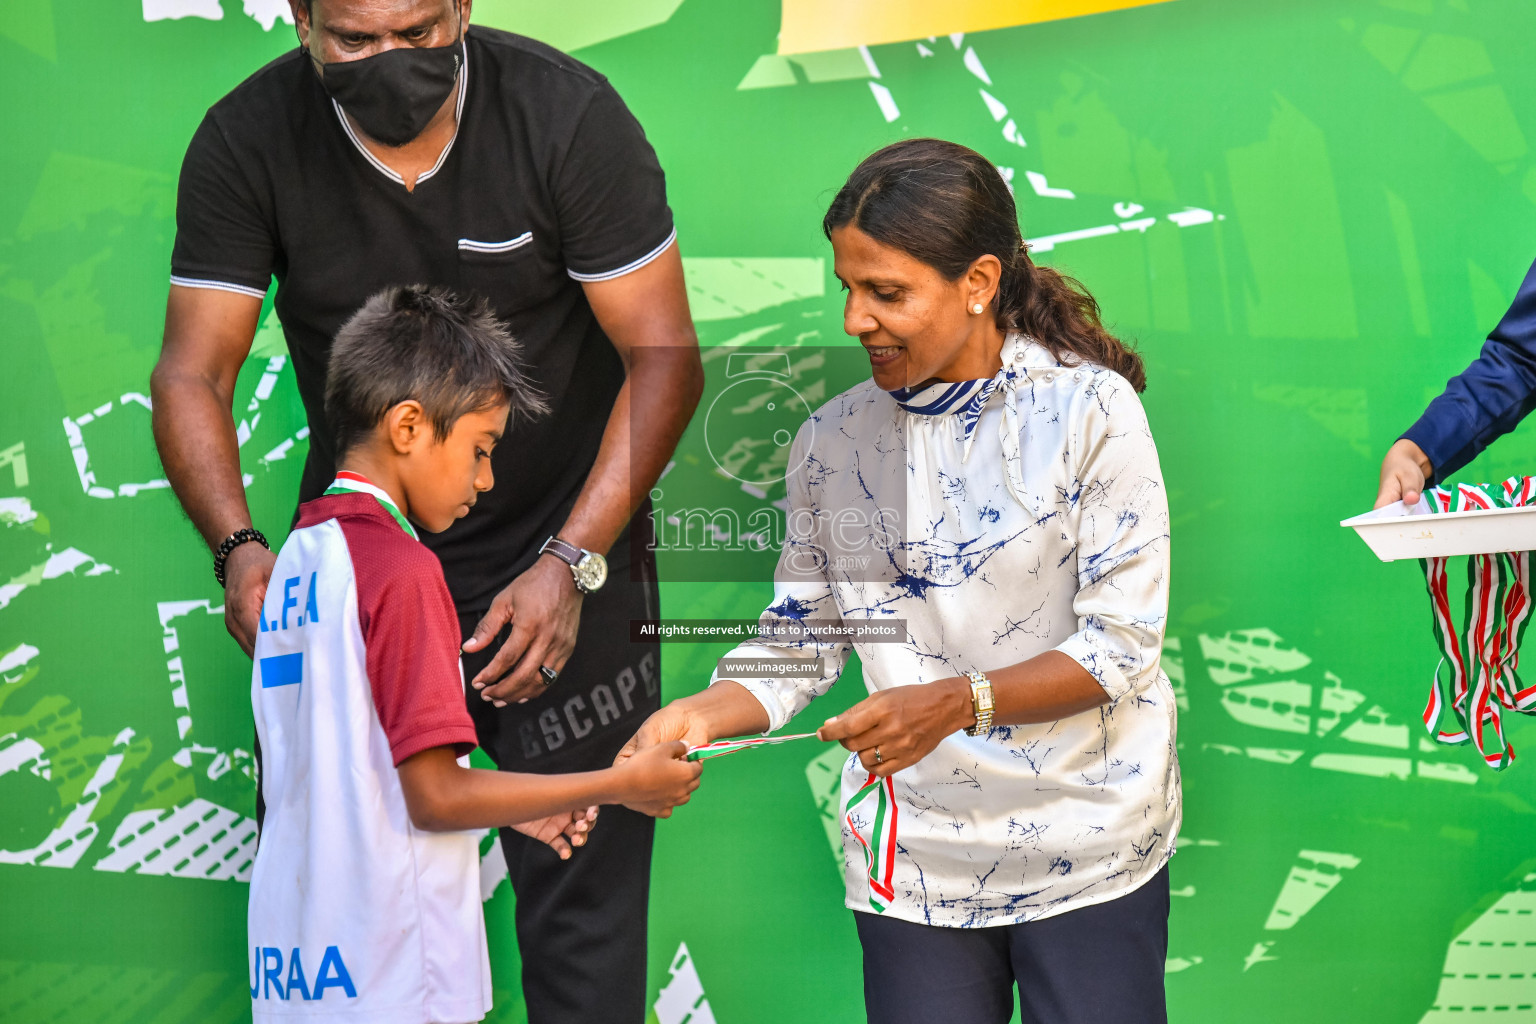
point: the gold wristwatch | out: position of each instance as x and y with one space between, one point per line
981 703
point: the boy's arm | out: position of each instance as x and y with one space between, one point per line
441 795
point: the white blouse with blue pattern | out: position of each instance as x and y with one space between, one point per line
1020 514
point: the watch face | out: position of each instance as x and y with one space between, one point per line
591 572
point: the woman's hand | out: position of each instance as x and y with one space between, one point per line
724 709
673 722
904 724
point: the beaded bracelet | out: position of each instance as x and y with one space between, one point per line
231 542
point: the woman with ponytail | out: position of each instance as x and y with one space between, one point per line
1012 795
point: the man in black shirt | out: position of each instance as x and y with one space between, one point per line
397 145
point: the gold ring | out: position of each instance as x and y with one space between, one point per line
878 758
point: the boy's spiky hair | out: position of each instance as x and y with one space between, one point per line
446 351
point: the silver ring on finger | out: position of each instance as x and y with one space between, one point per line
549 675
878 758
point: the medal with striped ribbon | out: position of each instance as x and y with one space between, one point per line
1478 676
878 797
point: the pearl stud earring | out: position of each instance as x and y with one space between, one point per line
977 308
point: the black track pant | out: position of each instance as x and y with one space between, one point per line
581 923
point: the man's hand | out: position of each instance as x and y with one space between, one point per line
247 571
905 723
544 608
673 722
1403 474
560 832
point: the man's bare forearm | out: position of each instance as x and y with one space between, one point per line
653 408
195 433
208 334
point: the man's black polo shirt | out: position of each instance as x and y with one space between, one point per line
549 182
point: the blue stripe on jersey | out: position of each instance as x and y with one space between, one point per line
282 670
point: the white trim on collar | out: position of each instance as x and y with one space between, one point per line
458 125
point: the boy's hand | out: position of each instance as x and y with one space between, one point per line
562 831
658 778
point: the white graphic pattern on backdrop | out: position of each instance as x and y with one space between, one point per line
682 1001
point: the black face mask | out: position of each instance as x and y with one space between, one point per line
394 95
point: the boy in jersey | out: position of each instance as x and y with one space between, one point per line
365 895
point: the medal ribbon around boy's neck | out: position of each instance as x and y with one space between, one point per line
348 482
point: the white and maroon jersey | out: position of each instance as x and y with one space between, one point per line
356 914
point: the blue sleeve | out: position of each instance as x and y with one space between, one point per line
1490 397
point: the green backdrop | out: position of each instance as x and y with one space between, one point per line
1306 214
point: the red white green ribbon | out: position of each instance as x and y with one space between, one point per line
348 482
720 748
878 796
1478 676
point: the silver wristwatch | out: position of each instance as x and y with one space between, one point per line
588 568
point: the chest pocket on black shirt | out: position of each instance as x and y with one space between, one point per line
511 272
500 252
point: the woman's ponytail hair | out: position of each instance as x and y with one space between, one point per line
947 206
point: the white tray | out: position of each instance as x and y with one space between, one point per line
1397 532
